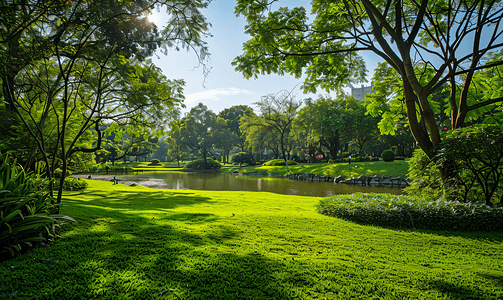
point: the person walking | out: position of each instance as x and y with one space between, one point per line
350 159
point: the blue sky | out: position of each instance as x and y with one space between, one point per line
225 87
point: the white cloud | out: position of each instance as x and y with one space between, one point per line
214 94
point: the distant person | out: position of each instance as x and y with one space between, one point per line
350 159
108 168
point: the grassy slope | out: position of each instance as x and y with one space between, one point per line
134 242
395 168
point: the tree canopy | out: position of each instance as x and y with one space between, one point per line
69 66
431 45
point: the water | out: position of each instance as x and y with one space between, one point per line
228 182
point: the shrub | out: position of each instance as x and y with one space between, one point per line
243 158
474 157
279 162
398 211
154 162
26 210
58 172
73 184
388 155
199 164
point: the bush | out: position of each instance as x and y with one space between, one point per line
279 162
73 184
58 172
154 162
199 164
396 211
388 155
243 158
26 210
474 157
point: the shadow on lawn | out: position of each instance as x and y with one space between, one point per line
140 200
461 291
493 237
120 254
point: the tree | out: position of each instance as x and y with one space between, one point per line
196 130
277 113
333 120
422 41
84 62
176 149
232 117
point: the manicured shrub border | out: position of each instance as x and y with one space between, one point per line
199 164
279 162
396 211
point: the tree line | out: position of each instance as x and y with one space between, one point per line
309 130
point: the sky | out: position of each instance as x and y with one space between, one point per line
224 87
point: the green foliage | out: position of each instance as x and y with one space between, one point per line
429 88
279 162
388 155
423 172
155 162
72 184
394 211
200 164
244 158
26 212
58 173
473 156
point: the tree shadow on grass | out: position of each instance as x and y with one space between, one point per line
460 290
139 200
121 254
494 237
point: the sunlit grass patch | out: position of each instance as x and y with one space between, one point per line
138 243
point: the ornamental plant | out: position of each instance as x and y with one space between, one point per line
398 211
26 211
244 158
200 164
388 155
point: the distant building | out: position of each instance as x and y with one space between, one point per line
359 93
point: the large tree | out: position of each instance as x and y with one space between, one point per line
429 44
197 130
277 113
232 117
84 61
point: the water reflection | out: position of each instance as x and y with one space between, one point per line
228 182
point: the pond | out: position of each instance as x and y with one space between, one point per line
228 182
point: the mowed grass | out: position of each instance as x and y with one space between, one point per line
139 243
371 168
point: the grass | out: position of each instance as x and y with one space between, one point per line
138 243
395 168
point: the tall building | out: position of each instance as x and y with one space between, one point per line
359 93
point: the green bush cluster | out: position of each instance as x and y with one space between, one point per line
73 184
244 158
58 172
154 162
279 162
476 172
199 164
395 211
26 211
388 155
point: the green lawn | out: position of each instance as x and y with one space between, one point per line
395 168
139 243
